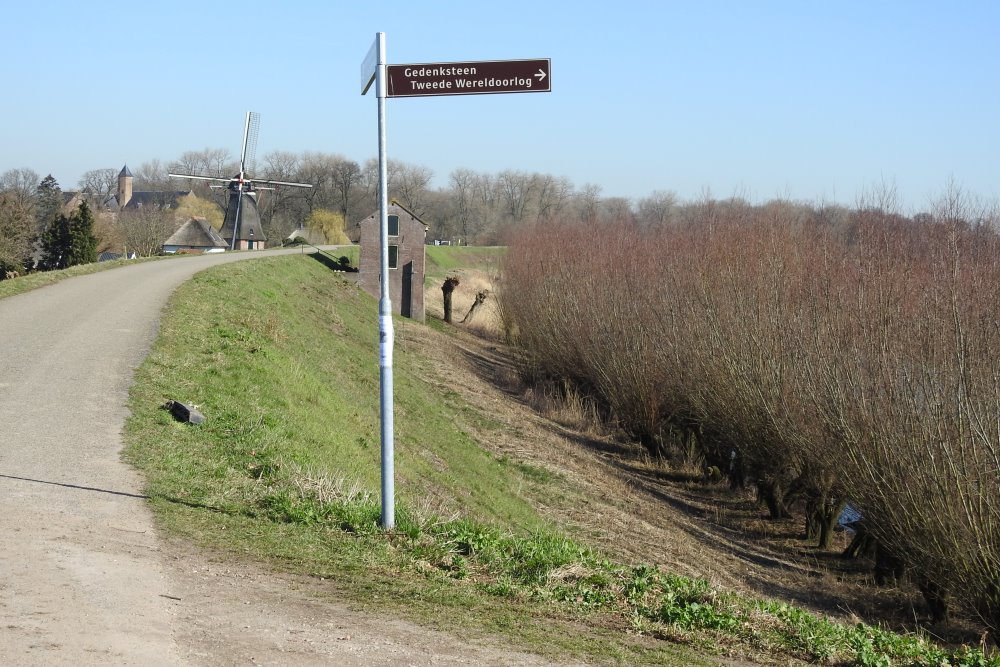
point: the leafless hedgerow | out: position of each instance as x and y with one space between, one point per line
822 355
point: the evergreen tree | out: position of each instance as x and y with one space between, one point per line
48 201
55 244
82 242
69 241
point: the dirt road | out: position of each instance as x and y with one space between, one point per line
85 579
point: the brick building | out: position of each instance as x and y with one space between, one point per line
407 234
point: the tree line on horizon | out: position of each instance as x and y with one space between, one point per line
474 208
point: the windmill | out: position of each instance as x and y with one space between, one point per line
242 226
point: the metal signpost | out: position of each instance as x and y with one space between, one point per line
373 69
464 78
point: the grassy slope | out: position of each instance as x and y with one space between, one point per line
443 259
281 356
285 368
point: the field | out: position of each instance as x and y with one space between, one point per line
516 518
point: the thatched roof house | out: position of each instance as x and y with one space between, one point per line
195 235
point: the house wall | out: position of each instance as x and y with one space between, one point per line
243 244
406 282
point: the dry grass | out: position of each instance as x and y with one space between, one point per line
643 509
566 406
485 321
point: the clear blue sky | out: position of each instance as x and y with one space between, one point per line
804 100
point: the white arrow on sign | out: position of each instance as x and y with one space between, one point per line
540 75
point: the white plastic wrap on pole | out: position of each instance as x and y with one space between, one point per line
386 340
384 303
388 519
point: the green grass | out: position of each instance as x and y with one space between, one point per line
443 259
31 281
352 253
280 355
287 366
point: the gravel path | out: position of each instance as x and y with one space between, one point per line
85 579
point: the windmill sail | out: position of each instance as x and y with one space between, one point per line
248 160
242 227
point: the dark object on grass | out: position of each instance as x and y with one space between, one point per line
184 413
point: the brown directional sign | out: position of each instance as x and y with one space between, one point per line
472 78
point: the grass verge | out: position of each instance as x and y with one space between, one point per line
443 259
281 355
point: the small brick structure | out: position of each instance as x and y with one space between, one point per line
407 234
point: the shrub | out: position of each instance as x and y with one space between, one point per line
819 354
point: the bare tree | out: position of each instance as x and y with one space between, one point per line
317 170
437 212
345 181
20 184
279 166
616 210
551 195
463 185
189 162
489 209
409 185
152 177
214 162
368 182
657 208
588 201
516 189
144 230
281 207
99 183
488 192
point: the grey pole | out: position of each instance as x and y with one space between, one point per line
384 303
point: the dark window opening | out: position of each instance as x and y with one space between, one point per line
394 257
393 225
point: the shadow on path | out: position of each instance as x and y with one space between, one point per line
76 486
